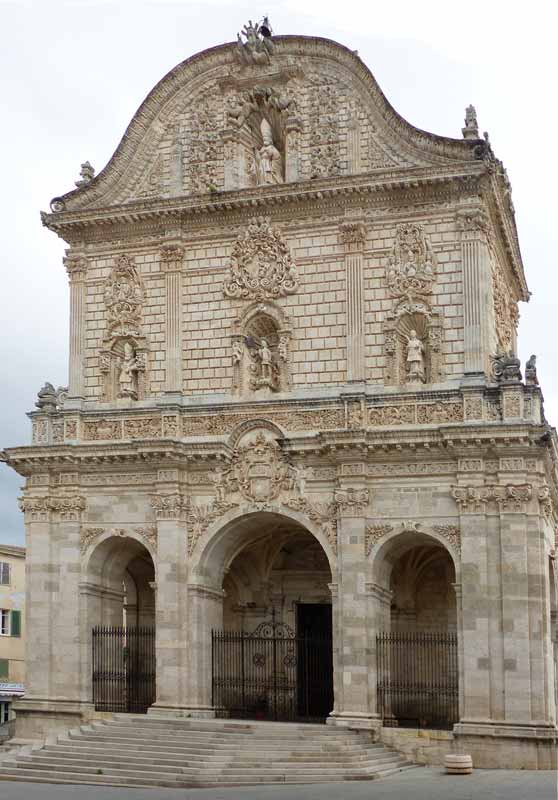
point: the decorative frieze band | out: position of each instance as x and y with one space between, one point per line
38 509
511 498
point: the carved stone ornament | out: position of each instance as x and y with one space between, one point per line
258 471
506 368
506 312
257 46
89 535
350 500
412 265
261 267
451 533
373 535
168 506
200 516
68 507
124 297
474 499
545 500
323 514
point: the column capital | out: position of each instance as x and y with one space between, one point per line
76 266
171 257
353 236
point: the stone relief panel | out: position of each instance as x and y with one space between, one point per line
203 152
123 357
261 267
506 312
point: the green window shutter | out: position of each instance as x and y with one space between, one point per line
4 669
15 628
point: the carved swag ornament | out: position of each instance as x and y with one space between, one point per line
261 267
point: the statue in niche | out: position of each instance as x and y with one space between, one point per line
269 162
415 359
266 362
127 379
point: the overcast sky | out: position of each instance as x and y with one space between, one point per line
73 72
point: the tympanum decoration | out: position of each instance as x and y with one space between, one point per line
261 266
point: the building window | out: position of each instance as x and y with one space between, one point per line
4 669
4 622
4 573
4 713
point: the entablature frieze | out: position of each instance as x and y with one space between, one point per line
447 182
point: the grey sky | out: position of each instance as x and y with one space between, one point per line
73 72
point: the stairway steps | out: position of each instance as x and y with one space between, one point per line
138 751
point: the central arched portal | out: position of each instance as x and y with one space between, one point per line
272 653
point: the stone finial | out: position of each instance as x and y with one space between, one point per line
87 174
471 129
506 368
46 398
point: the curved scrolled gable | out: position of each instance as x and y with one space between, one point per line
151 160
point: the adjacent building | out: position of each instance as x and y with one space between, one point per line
12 630
297 449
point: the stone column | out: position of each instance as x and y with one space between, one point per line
477 291
52 637
379 619
351 631
353 237
205 607
460 651
171 263
476 599
171 627
76 266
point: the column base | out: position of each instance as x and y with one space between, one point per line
501 745
355 720
193 712
37 717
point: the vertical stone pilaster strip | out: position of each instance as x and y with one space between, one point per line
171 260
353 142
292 138
476 288
76 268
353 236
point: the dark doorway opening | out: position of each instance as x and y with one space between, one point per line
123 668
315 660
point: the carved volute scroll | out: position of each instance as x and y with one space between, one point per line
123 357
261 267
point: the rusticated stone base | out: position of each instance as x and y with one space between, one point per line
508 746
36 719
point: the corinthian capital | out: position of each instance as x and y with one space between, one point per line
168 506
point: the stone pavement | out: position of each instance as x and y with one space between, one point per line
419 784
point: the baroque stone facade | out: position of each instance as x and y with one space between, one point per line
293 381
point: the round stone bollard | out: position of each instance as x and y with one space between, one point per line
457 764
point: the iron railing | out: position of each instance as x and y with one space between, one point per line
123 668
418 679
271 674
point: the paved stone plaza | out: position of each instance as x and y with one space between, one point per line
299 468
423 784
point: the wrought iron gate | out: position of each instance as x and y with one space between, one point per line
271 674
418 679
123 668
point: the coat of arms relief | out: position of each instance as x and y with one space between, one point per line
260 475
261 267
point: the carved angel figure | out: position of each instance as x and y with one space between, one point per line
415 358
127 379
258 47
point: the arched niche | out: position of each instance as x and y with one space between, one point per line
412 321
261 351
123 365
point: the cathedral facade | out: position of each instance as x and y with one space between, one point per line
294 402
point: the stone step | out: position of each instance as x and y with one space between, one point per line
97 751
176 743
230 726
135 751
166 764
